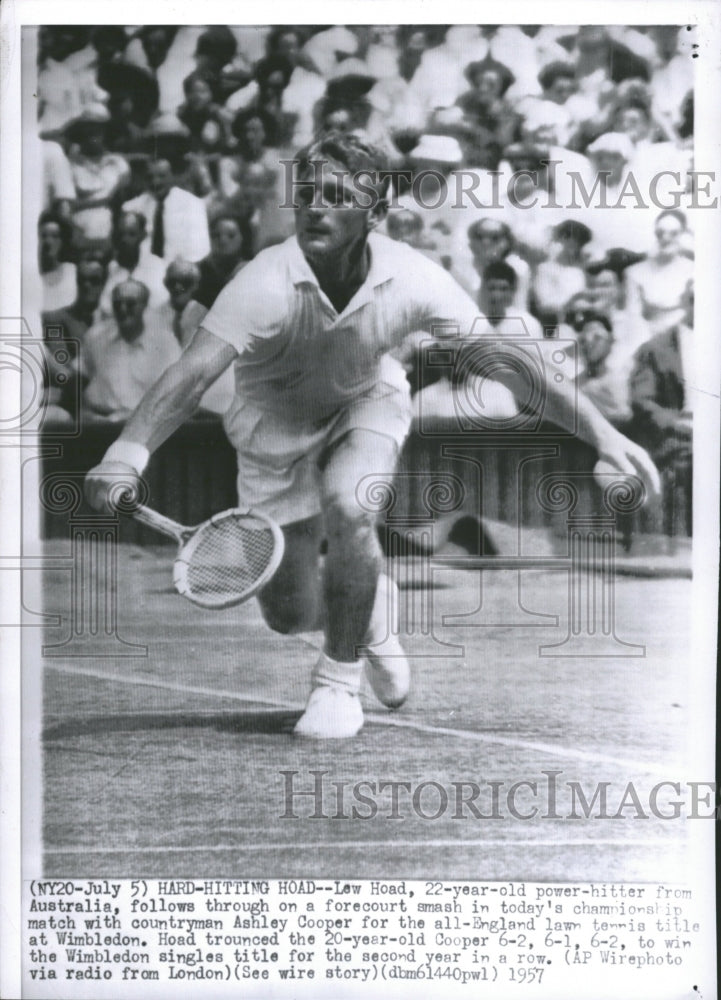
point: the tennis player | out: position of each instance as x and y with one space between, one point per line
320 404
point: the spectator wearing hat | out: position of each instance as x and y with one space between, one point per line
99 176
433 161
610 158
491 116
132 259
603 383
176 220
562 275
56 272
123 356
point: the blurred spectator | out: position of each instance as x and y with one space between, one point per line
109 42
231 247
181 312
71 322
657 285
493 120
650 157
176 220
59 89
133 98
286 84
58 186
273 75
133 259
496 300
560 277
57 273
167 53
200 113
490 240
606 286
397 105
605 386
122 357
99 176
406 226
254 132
661 398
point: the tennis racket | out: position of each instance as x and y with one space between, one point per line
223 561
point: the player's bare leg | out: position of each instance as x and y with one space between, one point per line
291 602
355 606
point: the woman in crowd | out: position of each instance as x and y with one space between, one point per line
201 115
657 285
562 275
99 176
57 273
231 247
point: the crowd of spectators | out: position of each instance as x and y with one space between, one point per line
163 173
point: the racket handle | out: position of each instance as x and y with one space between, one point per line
160 523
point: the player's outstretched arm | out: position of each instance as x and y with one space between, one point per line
573 411
166 405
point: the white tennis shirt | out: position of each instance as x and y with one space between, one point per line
300 357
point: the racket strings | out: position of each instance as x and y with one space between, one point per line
228 557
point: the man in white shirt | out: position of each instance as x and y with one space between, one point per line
133 259
122 357
177 221
320 406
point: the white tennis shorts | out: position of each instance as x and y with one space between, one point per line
279 463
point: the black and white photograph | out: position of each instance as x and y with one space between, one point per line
360 587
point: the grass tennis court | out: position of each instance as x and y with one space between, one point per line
169 764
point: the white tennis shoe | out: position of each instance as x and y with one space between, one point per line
389 673
334 710
332 713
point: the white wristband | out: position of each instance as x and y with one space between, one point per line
128 452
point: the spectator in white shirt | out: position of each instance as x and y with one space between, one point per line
496 301
123 356
177 221
603 383
133 259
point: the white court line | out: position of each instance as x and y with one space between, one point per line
364 845
490 739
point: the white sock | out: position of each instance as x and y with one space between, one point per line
337 674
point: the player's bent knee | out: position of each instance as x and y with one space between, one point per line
345 516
